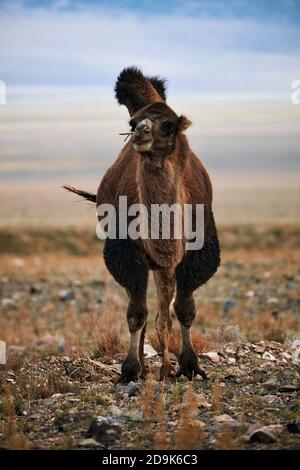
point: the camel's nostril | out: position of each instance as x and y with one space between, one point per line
145 125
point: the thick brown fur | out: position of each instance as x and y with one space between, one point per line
168 172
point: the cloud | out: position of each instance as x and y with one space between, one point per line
198 54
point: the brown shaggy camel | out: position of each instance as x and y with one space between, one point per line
157 166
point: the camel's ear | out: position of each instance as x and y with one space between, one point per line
160 86
183 123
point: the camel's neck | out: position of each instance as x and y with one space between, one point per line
159 182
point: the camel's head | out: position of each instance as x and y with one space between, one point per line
155 128
153 124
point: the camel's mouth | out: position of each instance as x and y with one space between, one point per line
143 146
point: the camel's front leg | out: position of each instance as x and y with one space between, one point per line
164 280
133 365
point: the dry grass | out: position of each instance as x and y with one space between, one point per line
161 438
217 396
37 325
189 434
13 437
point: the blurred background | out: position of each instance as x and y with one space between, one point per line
230 67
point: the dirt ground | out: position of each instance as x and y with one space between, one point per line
63 320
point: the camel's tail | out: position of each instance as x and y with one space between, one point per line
85 194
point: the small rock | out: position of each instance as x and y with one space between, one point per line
272 300
223 418
267 434
269 399
202 402
35 416
295 344
104 429
213 356
66 359
289 388
8 303
267 356
18 262
173 357
259 349
149 351
34 290
274 345
90 442
131 389
271 382
250 294
133 415
66 295
294 428
286 355
231 360
228 304
229 350
263 437
114 410
182 378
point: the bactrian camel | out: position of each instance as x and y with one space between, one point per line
157 166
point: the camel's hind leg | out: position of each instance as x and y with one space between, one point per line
185 311
165 281
196 268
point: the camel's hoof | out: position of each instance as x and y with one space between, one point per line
191 373
188 365
167 370
130 372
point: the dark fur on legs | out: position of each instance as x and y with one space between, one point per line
194 270
123 261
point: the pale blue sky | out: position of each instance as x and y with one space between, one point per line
229 64
201 46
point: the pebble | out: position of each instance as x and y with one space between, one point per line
34 290
269 399
7 302
131 389
267 356
223 418
250 294
231 360
263 437
228 305
267 434
114 410
294 428
18 262
289 388
66 295
104 429
129 415
90 442
213 356
149 351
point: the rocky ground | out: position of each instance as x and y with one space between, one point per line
63 319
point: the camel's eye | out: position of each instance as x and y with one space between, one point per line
132 125
168 127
